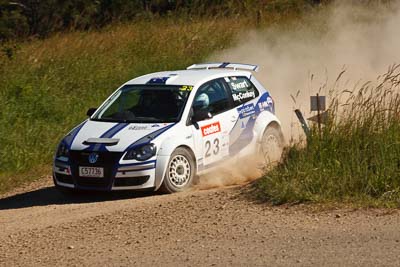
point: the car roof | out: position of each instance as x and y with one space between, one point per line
187 77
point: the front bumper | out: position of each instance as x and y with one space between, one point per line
117 176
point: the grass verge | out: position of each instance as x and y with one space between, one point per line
355 159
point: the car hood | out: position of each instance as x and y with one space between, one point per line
114 137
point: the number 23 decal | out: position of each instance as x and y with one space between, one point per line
214 147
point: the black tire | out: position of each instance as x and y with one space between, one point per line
180 173
272 145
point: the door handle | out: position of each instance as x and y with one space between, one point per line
234 118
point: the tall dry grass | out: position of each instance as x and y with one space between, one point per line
356 157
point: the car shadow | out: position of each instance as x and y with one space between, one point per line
50 196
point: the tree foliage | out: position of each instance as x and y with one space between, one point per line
22 18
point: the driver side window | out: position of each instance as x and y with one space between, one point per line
212 96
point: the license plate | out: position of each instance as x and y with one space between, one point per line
91 172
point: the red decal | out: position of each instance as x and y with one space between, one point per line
211 129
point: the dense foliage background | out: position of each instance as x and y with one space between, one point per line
23 18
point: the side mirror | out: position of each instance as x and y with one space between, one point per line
201 114
91 111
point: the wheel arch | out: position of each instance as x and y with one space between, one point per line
277 126
190 151
273 124
265 120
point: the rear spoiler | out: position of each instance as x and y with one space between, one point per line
223 65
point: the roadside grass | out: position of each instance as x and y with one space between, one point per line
356 158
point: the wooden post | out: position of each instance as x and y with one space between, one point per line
319 115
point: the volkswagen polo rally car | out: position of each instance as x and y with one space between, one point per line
160 130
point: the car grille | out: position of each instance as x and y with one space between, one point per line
131 181
93 182
106 160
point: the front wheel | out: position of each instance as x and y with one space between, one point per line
180 172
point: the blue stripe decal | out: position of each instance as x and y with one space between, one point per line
223 65
69 139
108 134
114 130
148 138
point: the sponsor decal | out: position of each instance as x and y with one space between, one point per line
243 96
211 129
93 157
239 85
137 128
246 110
159 80
186 88
267 104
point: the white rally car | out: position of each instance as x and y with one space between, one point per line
160 130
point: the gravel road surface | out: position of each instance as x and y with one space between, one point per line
216 227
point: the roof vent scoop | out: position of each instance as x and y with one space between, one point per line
224 65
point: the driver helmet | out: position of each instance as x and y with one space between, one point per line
202 101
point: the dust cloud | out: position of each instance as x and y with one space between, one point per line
303 59
232 172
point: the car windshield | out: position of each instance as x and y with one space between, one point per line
145 104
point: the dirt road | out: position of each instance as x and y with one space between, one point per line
218 227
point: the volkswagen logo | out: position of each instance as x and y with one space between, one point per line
93 157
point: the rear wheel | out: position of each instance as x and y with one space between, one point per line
180 172
271 146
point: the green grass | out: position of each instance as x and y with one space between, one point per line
355 159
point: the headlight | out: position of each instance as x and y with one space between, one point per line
141 153
62 150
